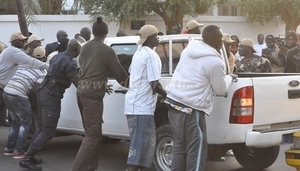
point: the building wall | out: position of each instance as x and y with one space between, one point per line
46 26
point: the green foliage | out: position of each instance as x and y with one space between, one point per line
8 7
124 10
265 10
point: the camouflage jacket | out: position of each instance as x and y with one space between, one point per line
255 64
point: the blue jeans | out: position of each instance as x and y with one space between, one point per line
19 109
143 140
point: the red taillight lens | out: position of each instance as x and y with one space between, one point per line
242 106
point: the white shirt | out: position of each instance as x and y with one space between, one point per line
259 48
145 68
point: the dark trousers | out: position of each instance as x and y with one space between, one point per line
88 154
48 114
190 140
2 109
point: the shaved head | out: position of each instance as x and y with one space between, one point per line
85 32
74 48
212 36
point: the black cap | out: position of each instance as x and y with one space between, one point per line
100 27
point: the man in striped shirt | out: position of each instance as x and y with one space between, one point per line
16 99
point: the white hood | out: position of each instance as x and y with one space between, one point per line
200 49
200 73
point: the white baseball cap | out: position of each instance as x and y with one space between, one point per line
39 52
145 32
193 24
33 38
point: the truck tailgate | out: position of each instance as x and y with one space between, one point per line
276 99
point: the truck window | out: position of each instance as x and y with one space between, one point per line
124 53
163 51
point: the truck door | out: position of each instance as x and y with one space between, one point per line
115 122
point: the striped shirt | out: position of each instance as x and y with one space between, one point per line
23 80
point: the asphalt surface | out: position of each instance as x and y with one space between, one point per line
60 152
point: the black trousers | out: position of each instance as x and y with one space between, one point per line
190 140
49 107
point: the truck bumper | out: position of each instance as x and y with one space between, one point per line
257 139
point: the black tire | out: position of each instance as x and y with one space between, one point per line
256 158
164 148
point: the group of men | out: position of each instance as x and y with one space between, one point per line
200 65
270 54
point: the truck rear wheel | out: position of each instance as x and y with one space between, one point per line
164 147
256 158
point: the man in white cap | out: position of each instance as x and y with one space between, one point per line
227 43
251 62
13 56
33 42
141 98
193 27
16 92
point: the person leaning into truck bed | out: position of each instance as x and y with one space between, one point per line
141 98
200 73
62 72
97 61
16 100
251 62
13 56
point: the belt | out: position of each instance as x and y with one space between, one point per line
183 109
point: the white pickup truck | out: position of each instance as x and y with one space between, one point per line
259 112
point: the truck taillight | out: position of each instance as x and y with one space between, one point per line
242 106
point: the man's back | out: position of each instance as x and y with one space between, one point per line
96 61
197 76
23 80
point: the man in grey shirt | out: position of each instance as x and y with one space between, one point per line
13 56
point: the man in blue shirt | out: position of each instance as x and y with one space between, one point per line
62 72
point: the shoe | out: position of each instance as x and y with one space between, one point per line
8 152
37 160
27 161
18 155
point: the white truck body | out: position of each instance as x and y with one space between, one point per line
274 107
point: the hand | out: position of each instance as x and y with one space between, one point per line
234 76
109 90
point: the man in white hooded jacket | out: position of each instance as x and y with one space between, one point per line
200 73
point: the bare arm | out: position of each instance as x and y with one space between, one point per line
157 88
74 80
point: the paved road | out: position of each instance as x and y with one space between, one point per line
59 154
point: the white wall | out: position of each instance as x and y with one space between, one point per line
48 25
